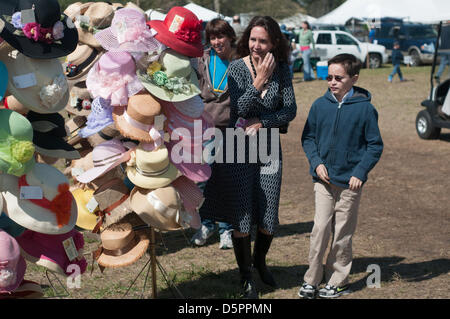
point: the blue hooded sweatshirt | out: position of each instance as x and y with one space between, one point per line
343 136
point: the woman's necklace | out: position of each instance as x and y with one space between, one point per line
254 70
214 77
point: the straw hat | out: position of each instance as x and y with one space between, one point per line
151 169
159 208
97 17
106 134
80 61
75 9
16 148
181 31
172 78
113 201
121 245
55 213
12 264
40 85
27 290
137 120
86 219
57 36
49 251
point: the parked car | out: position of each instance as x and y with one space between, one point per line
330 43
329 27
415 39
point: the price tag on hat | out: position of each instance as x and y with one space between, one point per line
24 81
27 16
92 205
31 192
70 249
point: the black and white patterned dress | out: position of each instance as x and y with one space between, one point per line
248 193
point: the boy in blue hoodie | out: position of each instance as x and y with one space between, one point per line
342 142
397 59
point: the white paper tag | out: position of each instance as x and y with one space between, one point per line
31 192
158 122
69 247
76 171
73 100
82 18
92 205
27 16
176 23
24 81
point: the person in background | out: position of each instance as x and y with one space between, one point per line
397 58
237 27
342 142
290 36
306 39
213 79
445 61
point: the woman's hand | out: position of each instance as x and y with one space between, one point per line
265 68
253 125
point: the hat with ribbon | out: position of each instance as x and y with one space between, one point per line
105 134
128 32
113 202
149 168
171 78
40 85
12 264
114 78
37 28
3 80
80 61
16 146
40 200
80 101
159 208
181 31
62 253
49 135
98 16
141 120
99 118
191 195
87 209
123 243
75 9
10 102
105 157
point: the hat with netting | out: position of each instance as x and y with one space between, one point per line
99 118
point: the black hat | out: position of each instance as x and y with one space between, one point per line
21 19
48 135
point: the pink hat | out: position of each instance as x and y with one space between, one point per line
12 264
191 195
128 32
53 251
105 157
114 78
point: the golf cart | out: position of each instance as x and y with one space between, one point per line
429 121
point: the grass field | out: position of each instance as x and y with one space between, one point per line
403 222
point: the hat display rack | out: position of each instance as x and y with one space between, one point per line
97 105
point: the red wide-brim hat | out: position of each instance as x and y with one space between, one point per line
180 31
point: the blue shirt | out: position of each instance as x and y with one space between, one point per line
221 68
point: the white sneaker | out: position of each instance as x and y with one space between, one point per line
202 235
225 240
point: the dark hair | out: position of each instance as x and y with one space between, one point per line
307 24
219 27
280 44
351 64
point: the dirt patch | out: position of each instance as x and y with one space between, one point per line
403 222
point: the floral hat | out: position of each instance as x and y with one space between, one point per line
171 78
128 32
37 28
80 61
16 146
114 78
99 118
40 85
181 31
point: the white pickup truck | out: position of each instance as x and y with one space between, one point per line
330 43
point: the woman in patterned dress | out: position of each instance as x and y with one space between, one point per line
261 92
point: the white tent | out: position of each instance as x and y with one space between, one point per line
204 13
154 15
296 20
425 11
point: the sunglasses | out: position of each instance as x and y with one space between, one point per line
338 78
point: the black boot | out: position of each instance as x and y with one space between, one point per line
262 245
242 251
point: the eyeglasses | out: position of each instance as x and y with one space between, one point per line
338 78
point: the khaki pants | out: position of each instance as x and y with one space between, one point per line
335 217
